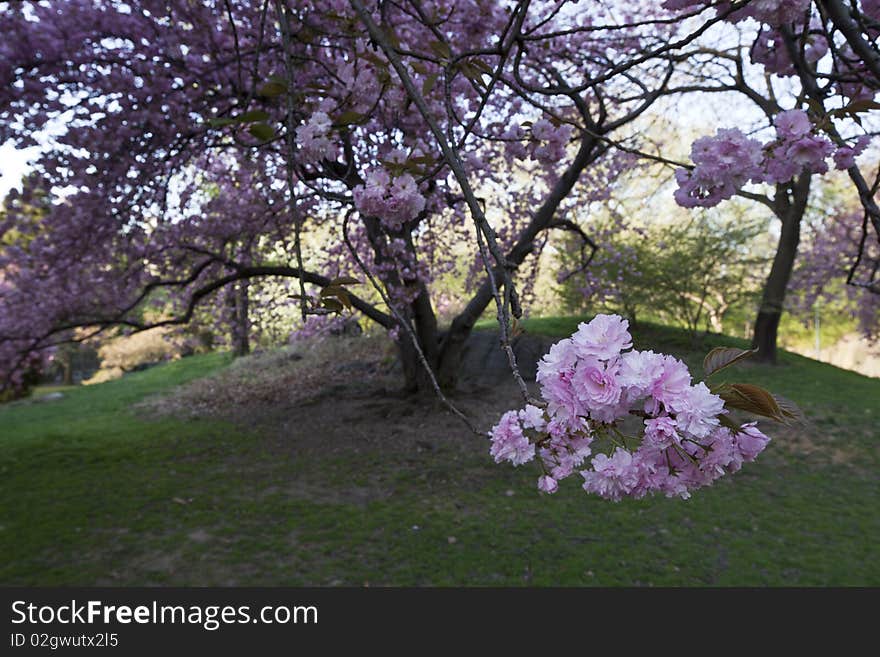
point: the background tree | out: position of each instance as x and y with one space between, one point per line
817 83
688 273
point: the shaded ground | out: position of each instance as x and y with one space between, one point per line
313 469
311 400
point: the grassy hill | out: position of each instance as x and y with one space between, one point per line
96 491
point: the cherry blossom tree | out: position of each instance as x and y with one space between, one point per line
196 132
826 263
361 138
818 64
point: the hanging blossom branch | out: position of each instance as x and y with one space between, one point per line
289 133
647 428
865 192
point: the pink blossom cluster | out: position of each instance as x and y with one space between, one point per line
313 139
549 141
824 260
854 81
770 51
514 137
797 149
727 161
722 165
361 84
630 422
393 200
771 12
774 12
845 156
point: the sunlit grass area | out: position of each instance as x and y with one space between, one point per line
94 491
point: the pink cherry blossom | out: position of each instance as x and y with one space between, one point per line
548 484
590 384
612 478
509 443
696 410
792 124
750 441
532 417
604 337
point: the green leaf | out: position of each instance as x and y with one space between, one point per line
483 66
332 303
345 280
220 122
790 411
344 298
338 293
816 106
272 89
721 357
861 106
391 36
253 116
374 59
349 116
394 168
262 131
429 83
472 73
440 49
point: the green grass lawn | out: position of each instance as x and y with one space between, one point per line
93 493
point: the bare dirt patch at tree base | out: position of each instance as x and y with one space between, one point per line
335 396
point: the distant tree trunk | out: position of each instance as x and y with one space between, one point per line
791 203
241 345
67 368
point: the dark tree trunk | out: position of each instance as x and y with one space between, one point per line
67 369
443 354
791 203
241 345
765 332
416 378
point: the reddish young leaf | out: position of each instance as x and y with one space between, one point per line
721 357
